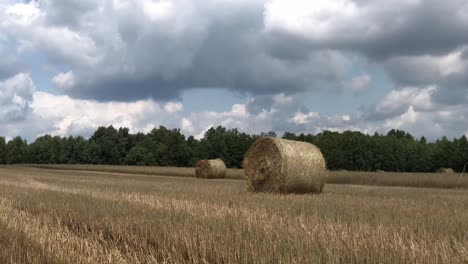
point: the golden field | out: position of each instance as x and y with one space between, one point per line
71 216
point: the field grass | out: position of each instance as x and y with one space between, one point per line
147 170
427 180
57 216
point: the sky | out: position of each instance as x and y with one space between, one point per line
70 66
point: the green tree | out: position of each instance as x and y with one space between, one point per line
140 156
169 147
460 155
2 150
228 145
46 150
16 150
194 148
74 150
441 157
110 144
92 153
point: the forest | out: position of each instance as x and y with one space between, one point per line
396 151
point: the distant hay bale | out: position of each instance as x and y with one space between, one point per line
284 166
210 169
380 171
446 170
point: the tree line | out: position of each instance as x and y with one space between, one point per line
395 151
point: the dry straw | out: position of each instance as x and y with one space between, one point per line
210 169
446 170
284 166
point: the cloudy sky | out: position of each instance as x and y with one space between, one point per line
69 66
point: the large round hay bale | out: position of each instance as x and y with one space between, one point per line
446 170
284 166
210 169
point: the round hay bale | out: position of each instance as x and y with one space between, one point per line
446 170
380 171
210 169
284 166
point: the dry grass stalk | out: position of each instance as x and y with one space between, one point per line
284 166
77 217
446 170
210 169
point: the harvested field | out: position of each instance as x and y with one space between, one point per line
58 216
148 170
426 180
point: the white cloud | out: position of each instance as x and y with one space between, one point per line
174 107
239 110
314 19
302 118
399 100
360 83
16 97
407 118
413 109
26 23
158 10
425 123
73 116
62 115
64 81
24 14
282 99
453 63
186 125
315 122
65 45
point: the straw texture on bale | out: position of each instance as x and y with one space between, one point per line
284 166
446 170
210 169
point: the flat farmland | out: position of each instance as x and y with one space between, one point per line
429 180
71 216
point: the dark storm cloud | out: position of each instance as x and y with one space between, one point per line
67 12
449 73
129 55
430 27
382 29
129 50
452 97
408 71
